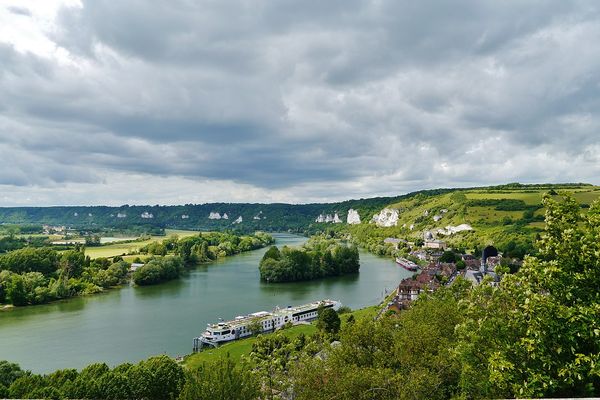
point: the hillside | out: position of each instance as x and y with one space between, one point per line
508 216
269 217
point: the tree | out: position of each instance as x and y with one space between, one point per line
221 379
15 292
545 322
328 321
271 355
166 377
71 263
255 326
9 372
448 257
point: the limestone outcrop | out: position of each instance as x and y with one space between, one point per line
386 218
328 218
353 218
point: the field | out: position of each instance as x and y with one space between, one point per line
117 249
243 347
497 215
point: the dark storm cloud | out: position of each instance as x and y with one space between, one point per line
395 95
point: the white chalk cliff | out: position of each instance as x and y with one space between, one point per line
386 218
353 218
336 219
214 215
225 216
238 220
328 219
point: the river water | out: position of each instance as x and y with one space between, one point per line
133 323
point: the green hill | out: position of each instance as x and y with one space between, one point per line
508 216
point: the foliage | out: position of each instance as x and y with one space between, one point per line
328 321
44 260
32 275
546 326
449 257
318 258
220 380
158 270
155 378
9 372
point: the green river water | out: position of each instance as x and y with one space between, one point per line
133 323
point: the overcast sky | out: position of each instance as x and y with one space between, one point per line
174 102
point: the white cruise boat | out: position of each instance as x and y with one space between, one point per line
241 326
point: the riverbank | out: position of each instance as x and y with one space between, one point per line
163 319
34 276
242 347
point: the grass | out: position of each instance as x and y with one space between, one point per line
488 223
117 249
243 347
531 198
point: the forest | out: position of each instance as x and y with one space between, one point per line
318 258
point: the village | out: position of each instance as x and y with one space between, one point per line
438 265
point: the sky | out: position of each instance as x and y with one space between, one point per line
180 101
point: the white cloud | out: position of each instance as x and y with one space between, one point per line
282 101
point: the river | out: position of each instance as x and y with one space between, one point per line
133 323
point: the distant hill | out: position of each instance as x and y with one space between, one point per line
497 214
269 217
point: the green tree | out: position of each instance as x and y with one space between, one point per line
448 257
221 379
166 377
328 321
9 372
544 322
71 263
15 292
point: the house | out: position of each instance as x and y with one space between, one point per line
419 254
435 244
394 241
440 269
411 288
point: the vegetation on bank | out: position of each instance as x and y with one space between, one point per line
39 275
30 276
320 257
536 334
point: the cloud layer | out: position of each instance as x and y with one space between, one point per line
292 101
